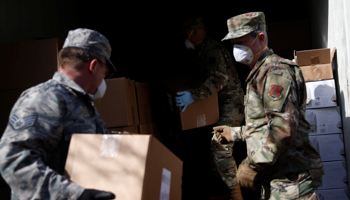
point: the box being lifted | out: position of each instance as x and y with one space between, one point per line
132 166
321 94
198 114
324 120
316 64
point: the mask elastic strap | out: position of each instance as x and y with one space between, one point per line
190 37
258 52
252 42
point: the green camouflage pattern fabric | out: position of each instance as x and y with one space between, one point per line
217 64
193 23
298 186
223 162
34 146
243 24
276 131
93 41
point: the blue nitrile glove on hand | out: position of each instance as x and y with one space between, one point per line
184 99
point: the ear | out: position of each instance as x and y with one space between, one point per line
93 66
262 38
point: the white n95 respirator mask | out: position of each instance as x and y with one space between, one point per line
101 90
244 54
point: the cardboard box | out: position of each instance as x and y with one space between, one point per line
324 120
146 129
25 64
335 175
330 147
134 167
118 107
144 102
321 94
333 194
316 64
198 114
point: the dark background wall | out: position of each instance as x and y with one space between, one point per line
145 35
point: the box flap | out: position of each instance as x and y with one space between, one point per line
313 57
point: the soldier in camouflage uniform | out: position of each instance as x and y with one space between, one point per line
280 157
34 146
217 66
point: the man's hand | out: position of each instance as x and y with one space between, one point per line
246 176
223 134
184 100
91 194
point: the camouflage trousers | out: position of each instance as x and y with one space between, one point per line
223 162
302 187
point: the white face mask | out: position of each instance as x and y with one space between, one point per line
244 54
189 44
101 90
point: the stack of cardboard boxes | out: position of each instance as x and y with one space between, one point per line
126 107
23 65
323 114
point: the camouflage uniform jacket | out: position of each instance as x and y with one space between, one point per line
33 149
276 131
216 63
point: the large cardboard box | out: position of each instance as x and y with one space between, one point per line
25 64
198 114
335 175
316 64
324 120
333 194
321 94
132 166
118 107
144 102
330 147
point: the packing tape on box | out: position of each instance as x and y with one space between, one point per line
201 120
110 146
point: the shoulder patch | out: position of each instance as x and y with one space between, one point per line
276 91
19 123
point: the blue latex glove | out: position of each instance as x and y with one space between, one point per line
184 99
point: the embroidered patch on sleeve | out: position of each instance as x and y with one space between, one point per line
276 91
19 123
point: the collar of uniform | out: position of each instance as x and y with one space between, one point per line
204 42
65 80
259 63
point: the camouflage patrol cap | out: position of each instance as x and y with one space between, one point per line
193 23
243 24
92 41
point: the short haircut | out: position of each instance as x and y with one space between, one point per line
76 57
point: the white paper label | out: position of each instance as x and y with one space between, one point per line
165 186
110 145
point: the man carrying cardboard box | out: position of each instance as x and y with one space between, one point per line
34 146
217 66
280 157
